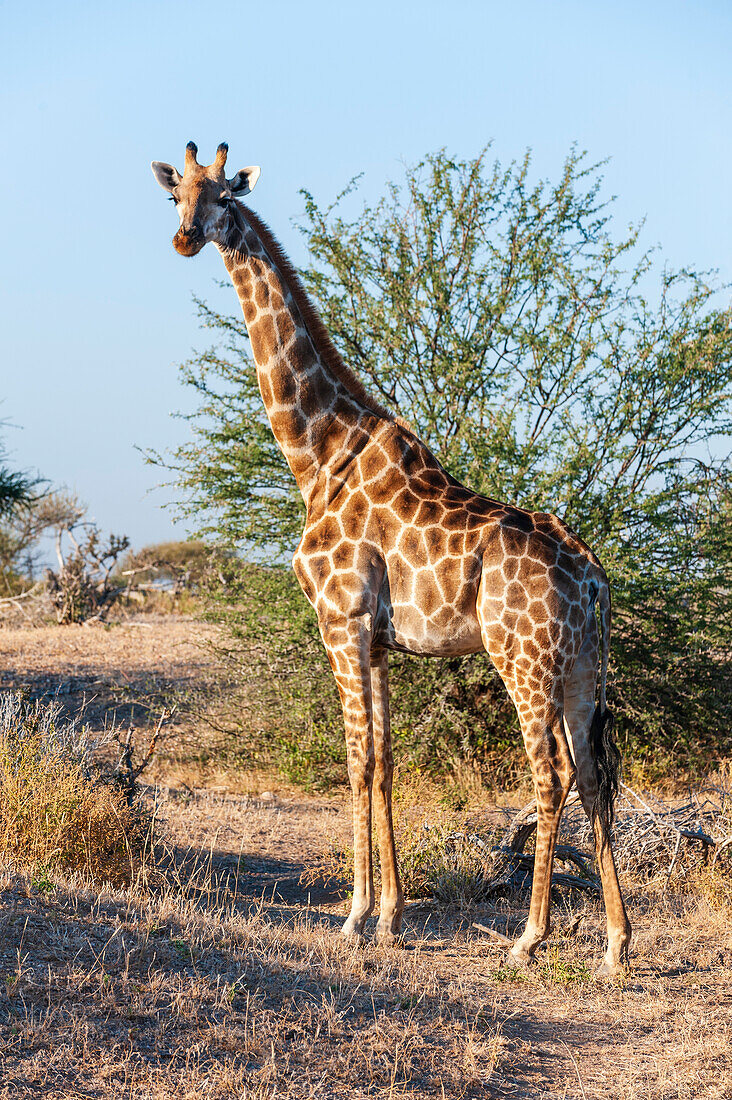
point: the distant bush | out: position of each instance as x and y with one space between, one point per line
181 566
56 812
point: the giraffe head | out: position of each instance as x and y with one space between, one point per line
202 195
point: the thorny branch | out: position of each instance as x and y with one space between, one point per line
126 772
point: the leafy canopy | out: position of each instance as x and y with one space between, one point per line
546 362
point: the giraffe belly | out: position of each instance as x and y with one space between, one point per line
443 629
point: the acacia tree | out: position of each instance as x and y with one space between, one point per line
546 363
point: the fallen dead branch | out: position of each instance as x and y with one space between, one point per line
653 841
492 934
30 606
15 600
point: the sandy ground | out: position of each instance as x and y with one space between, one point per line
226 975
116 671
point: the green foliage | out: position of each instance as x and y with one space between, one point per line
556 970
236 486
285 710
546 363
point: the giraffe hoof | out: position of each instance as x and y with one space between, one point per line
355 939
522 961
384 937
352 930
610 972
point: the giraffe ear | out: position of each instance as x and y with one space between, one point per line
244 181
167 176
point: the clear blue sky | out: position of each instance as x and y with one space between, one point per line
96 305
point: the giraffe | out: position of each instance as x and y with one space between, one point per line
397 555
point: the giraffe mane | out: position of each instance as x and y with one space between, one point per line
317 331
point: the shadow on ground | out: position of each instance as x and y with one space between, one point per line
116 697
274 994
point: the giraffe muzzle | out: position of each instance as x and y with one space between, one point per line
189 242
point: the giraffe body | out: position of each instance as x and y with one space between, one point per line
396 554
438 564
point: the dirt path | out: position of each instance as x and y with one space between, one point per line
227 977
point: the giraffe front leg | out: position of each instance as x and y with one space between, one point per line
392 898
347 644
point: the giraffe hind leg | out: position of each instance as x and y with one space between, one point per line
533 676
579 711
392 898
553 774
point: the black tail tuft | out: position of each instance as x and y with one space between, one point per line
607 767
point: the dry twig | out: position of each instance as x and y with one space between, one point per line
126 773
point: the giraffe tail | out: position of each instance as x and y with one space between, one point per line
602 745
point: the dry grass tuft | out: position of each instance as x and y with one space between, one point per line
54 812
439 856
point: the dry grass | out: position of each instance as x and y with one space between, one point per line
198 988
458 847
163 997
54 813
440 854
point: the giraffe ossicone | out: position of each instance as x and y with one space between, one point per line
396 554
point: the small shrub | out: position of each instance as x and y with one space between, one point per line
441 861
439 855
431 821
55 812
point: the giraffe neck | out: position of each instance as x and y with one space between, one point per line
312 399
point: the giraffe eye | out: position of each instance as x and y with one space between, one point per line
173 199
